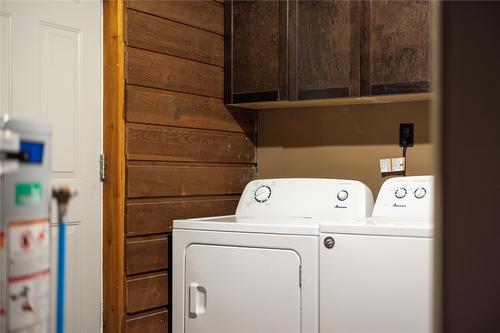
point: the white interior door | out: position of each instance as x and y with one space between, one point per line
241 289
51 71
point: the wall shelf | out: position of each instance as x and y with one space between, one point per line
367 100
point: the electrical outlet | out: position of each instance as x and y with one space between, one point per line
395 164
406 135
398 164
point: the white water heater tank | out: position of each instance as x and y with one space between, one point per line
25 195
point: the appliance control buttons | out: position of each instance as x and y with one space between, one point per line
329 242
342 195
400 193
420 192
262 193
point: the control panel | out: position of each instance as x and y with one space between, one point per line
306 197
405 197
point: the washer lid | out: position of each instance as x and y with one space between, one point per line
268 225
381 227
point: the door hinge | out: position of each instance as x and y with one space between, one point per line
102 168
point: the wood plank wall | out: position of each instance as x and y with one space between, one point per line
186 154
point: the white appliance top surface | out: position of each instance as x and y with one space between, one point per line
268 225
377 226
311 226
408 197
313 197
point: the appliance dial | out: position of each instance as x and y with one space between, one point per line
342 195
262 193
420 192
400 193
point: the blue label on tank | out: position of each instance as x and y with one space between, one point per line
31 152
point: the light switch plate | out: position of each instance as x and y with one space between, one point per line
385 165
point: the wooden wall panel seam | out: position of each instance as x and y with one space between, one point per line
187 164
156 181
157 70
168 37
188 128
155 217
147 291
175 14
218 132
177 56
140 314
176 21
163 107
148 321
143 201
164 143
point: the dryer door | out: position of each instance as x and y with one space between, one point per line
241 289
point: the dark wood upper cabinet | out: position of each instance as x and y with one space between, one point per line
395 47
312 49
255 51
324 49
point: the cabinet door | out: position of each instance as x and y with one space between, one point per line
255 51
395 47
241 289
324 49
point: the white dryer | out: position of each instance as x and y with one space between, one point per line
376 274
257 271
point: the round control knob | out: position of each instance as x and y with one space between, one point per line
329 242
420 192
400 193
262 193
342 195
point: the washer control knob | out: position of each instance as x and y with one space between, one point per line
342 195
329 242
400 193
262 193
420 192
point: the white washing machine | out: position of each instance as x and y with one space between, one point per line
376 275
257 271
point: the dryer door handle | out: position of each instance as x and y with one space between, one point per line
197 300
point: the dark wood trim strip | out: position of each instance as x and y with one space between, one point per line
355 47
283 49
258 96
304 94
400 88
365 67
228 51
292 50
